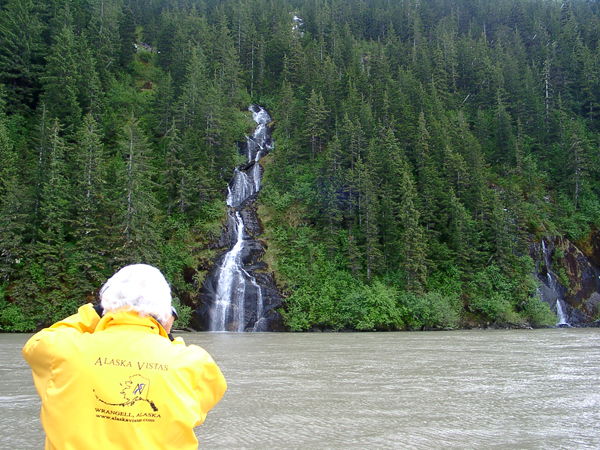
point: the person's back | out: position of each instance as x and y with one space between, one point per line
119 382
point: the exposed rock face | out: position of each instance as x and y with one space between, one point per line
570 276
239 294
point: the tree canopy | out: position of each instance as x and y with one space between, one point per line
421 146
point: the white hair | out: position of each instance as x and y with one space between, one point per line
138 287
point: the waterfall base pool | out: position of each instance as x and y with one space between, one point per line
517 389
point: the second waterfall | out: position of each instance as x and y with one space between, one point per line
238 295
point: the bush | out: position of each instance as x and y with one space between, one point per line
431 310
538 312
12 319
185 315
371 308
494 307
491 293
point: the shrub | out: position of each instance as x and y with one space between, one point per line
494 307
538 312
371 308
185 315
431 310
12 319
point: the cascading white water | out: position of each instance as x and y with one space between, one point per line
551 283
231 285
232 277
240 189
256 171
261 117
259 307
560 314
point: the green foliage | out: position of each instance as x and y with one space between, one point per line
413 158
429 311
494 307
538 313
491 294
174 253
371 308
184 313
12 319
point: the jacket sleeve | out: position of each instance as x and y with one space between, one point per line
211 385
38 351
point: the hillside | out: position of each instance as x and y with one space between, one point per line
422 150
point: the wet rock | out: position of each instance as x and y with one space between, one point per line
567 274
239 273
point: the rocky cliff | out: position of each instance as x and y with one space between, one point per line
570 276
239 293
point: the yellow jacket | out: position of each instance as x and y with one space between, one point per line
118 382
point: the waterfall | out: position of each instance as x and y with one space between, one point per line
233 282
551 283
240 189
231 286
256 175
560 314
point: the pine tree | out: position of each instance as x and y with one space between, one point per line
104 33
370 212
164 105
138 205
174 177
428 181
13 201
412 239
391 168
89 95
332 182
127 37
21 52
90 229
314 126
286 108
60 82
577 161
194 92
229 71
50 253
462 234
39 156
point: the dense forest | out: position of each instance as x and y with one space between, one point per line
420 147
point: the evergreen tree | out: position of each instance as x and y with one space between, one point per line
21 52
412 239
60 82
89 227
175 179
127 37
90 95
370 214
104 33
229 71
194 92
316 116
13 201
54 292
138 204
286 108
164 105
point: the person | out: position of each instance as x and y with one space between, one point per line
110 378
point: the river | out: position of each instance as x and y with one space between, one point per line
513 389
